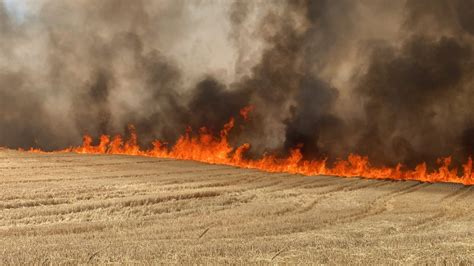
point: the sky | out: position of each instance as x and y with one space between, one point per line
17 8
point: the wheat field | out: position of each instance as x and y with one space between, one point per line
76 209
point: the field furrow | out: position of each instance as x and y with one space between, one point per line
68 209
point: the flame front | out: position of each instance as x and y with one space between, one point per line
208 148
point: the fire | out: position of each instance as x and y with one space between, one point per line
244 112
208 148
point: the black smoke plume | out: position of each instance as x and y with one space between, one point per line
389 79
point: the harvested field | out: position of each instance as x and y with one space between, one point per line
70 208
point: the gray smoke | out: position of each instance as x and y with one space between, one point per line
389 79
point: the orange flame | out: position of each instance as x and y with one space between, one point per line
208 148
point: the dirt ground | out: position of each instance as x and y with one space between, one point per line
69 209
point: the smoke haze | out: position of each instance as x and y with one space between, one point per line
389 79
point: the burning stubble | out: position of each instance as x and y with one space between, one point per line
389 80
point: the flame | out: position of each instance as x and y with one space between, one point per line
208 148
244 112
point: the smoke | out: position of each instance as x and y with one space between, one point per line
76 67
417 95
389 79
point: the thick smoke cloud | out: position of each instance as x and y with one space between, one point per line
413 96
389 79
418 95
